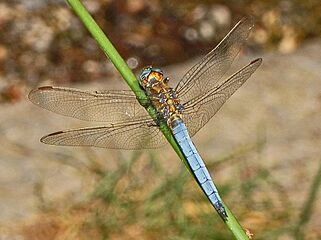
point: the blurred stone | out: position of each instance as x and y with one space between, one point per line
62 18
3 53
207 30
38 4
270 18
260 35
191 34
6 13
199 12
92 6
91 66
39 35
132 62
221 15
135 6
289 42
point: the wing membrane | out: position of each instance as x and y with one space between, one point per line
102 106
126 136
200 110
204 75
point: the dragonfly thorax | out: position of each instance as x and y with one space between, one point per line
163 97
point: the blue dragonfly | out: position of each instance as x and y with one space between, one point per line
185 109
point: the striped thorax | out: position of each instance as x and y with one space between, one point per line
163 97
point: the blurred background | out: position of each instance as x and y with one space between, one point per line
263 148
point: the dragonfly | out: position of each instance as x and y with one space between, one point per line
185 109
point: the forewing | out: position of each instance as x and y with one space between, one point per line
197 112
140 135
204 75
102 106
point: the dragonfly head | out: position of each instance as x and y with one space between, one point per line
150 75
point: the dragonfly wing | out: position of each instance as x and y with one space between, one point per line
204 75
102 106
198 111
137 135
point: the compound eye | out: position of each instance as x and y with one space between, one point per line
143 77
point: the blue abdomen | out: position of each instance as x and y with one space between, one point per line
197 166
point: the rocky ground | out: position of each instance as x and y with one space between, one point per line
279 105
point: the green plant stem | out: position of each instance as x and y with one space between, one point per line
131 80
